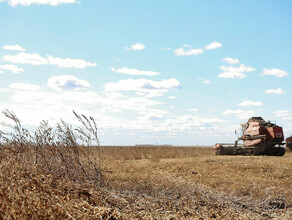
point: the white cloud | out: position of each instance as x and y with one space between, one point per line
144 87
142 84
194 110
285 114
213 45
232 72
250 103
142 115
134 72
171 97
232 75
187 45
190 124
25 58
24 86
137 46
67 82
231 60
275 91
69 63
151 117
205 81
240 114
36 59
241 68
12 68
274 72
187 52
1 71
15 47
282 113
166 48
40 2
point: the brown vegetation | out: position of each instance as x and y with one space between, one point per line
59 181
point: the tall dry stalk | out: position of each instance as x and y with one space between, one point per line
57 150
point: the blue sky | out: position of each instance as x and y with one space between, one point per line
167 72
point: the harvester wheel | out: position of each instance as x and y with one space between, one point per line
281 151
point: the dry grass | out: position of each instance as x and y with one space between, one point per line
238 186
59 181
169 185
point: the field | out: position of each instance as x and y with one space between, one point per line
56 173
142 182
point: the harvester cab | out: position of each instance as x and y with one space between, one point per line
259 138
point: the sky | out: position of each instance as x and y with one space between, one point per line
149 72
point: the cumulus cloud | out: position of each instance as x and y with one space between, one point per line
1 71
25 58
232 72
274 72
143 86
137 46
36 59
249 103
241 68
143 114
187 45
275 91
230 60
11 68
285 114
232 75
282 113
24 86
15 47
171 97
151 117
213 45
39 2
206 81
190 123
67 82
187 52
134 72
166 48
240 114
69 63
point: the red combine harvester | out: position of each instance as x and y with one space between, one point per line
289 142
259 138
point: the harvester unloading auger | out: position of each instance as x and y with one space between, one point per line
259 138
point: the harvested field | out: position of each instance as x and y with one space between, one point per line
148 183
